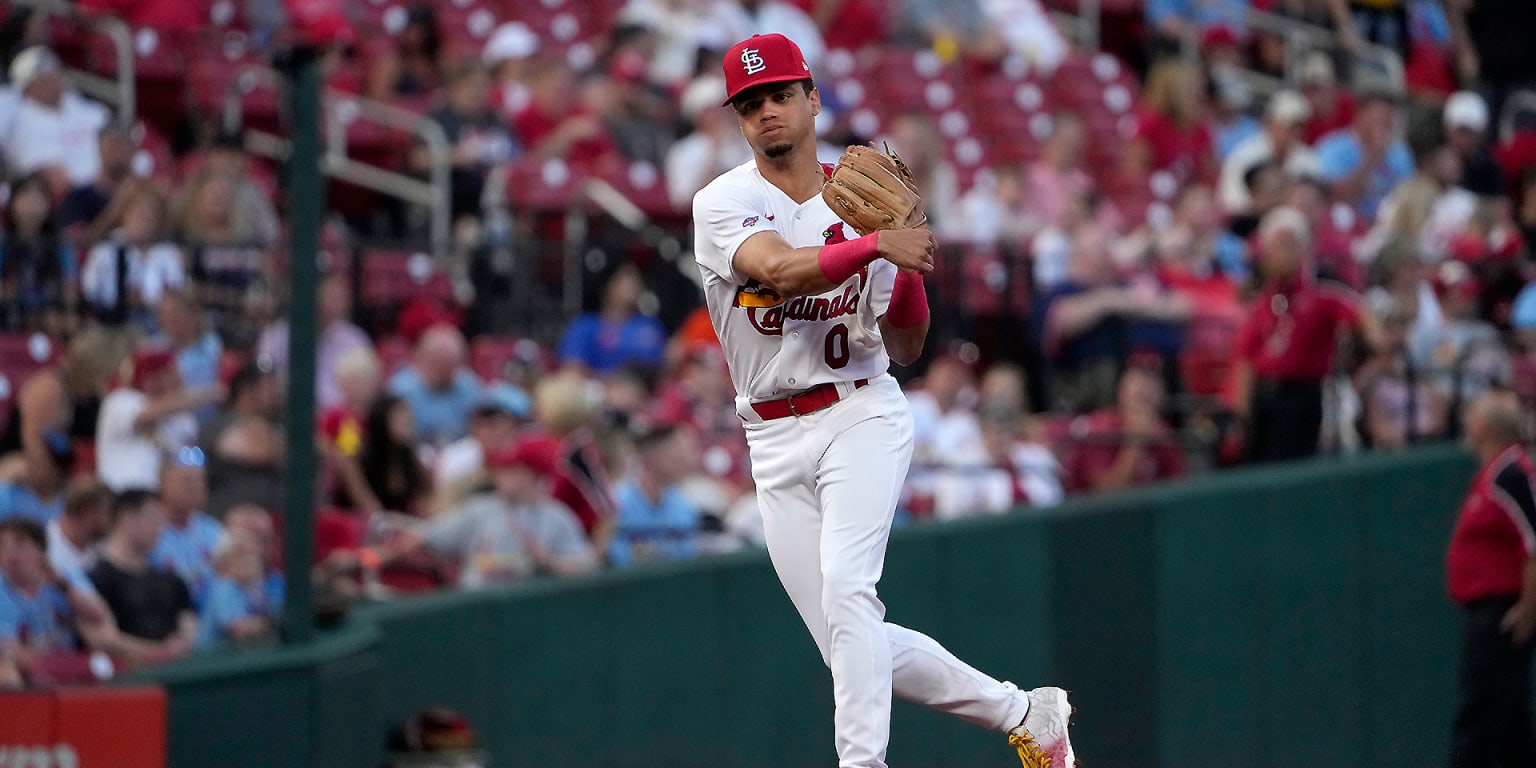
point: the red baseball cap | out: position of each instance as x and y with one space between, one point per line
149 362
762 59
524 453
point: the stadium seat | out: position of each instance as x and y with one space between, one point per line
548 186
217 68
394 352
641 184
390 278
161 66
489 356
21 355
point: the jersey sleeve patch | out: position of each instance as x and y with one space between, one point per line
725 215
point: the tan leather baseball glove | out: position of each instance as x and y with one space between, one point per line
872 189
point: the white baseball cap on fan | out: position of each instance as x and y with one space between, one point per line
1465 109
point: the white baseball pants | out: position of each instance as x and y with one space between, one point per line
827 484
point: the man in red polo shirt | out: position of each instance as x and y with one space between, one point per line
1286 345
1491 569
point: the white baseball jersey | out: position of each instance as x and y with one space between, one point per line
775 346
827 482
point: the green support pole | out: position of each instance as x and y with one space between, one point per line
306 200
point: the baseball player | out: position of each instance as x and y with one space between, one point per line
810 314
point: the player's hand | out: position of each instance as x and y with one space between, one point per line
909 249
1520 622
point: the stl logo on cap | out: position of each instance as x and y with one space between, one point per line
752 61
760 60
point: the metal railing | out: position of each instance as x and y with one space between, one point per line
342 110
117 92
608 200
1376 65
1083 26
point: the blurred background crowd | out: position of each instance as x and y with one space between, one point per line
1175 236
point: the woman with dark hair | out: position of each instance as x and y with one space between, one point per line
412 65
37 267
391 470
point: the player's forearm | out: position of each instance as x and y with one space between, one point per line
904 327
810 271
904 345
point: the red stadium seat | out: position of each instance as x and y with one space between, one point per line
547 186
161 64
391 278
489 356
218 68
154 150
641 184
21 355
394 352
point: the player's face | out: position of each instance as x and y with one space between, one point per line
777 117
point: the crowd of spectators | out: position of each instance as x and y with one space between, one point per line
1239 280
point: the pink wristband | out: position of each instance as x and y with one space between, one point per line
909 301
840 261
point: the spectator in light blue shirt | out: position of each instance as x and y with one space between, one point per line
42 613
656 521
618 334
190 535
239 606
35 612
1176 19
440 390
1523 317
1363 163
1231 123
38 493
198 349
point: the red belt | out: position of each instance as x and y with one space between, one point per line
809 401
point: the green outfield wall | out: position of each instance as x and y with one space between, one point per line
1266 618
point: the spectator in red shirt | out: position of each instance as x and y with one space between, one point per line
1335 229
555 123
1491 573
1286 346
1171 133
565 408
1198 259
507 54
1128 444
